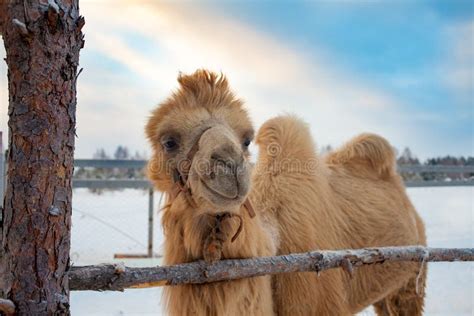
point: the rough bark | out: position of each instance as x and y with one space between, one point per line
42 40
119 277
3 12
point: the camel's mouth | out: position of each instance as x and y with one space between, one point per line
219 194
221 199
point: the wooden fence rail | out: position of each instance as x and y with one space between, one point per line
118 277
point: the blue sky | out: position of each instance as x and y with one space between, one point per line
396 45
403 69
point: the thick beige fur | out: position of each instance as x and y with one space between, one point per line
352 198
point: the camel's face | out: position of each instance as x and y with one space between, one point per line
206 141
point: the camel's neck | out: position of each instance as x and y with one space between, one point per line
186 230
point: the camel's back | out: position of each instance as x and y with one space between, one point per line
371 196
351 199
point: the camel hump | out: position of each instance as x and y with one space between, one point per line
285 137
366 152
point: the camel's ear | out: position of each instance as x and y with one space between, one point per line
151 127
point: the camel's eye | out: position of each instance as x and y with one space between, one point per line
246 142
169 144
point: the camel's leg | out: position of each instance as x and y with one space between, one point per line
405 301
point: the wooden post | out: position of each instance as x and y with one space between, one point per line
2 176
42 39
150 222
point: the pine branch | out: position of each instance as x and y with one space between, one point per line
118 278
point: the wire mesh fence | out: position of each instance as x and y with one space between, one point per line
114 224
117 218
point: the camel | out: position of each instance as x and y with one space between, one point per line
221 206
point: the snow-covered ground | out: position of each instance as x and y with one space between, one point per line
116 222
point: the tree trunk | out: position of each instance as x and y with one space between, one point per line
42 40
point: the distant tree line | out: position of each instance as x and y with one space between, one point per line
407 158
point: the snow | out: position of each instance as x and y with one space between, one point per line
116 222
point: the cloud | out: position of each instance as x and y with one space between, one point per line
154 41
270 75
459 68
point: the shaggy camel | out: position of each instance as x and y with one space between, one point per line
292 200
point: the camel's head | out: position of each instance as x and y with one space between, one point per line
202 133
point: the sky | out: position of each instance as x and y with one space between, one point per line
402 69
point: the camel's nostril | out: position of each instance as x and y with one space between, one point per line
219 159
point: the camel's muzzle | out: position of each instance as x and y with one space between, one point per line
216 170
221 167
